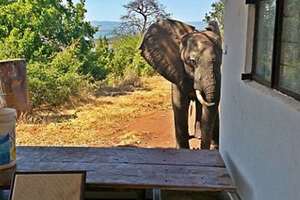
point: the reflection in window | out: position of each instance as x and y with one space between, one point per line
265 39
290 47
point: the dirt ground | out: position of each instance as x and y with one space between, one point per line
139 117
156 130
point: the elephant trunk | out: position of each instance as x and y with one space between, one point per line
207 87
209 95
212 94
202 100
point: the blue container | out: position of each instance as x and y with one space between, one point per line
7 138
5 148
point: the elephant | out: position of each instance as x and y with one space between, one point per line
191 60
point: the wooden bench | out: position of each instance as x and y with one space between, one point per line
138 168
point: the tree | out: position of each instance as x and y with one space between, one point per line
216 14
140 15
37 29
56 41
98 60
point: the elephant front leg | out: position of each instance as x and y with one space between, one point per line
180 103
207 124
216 132
198 119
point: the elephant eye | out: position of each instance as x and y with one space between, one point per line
192 62
212 60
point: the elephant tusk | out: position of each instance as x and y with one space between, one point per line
202 101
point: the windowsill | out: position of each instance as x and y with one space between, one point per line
292 103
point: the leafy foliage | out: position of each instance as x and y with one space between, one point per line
216 14
55 40
54 82
60 50
37 29
127 59
97 61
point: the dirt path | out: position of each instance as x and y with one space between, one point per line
155 129
142 118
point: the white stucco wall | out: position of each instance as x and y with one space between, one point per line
260 127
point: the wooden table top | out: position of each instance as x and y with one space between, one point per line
171 169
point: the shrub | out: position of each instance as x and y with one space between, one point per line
96 61
56 41
54 82
127 58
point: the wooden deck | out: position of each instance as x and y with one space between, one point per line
138 168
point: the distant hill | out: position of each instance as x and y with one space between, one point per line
106 28
198 25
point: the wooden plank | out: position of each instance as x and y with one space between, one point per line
171 169
169 177
121 155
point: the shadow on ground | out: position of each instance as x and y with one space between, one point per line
184 195
120 90
47 115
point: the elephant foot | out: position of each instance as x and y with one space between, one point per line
191 137
198 137
214 147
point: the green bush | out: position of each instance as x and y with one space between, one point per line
58 44
53 83
96 61
37 29
127 59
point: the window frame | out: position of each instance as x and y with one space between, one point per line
276 54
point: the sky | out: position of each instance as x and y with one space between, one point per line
111 10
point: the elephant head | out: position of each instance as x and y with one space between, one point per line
191 60
201 53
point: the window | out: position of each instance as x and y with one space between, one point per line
276 59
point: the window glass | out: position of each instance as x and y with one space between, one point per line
264 39
290 47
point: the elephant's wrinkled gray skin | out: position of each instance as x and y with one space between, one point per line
191 60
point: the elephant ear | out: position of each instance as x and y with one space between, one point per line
160 48
213 26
